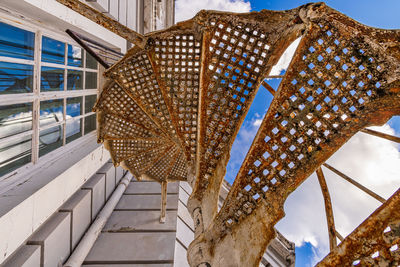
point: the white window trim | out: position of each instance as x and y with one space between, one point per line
36 96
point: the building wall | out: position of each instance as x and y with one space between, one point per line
52 242
32 194
127 12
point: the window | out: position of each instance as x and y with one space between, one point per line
46 97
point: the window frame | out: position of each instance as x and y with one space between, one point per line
36 96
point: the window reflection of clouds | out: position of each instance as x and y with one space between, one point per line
74 106
75 56
15 119
51 111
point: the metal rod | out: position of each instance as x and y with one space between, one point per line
268 87
360 186
328 209
339 236
275 77
97 44
82 250
163 201
87 48
107 22
382 135
368 237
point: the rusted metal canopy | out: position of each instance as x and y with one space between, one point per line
176 100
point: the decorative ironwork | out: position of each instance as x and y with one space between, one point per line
178 98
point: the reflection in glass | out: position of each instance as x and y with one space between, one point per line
15 42
52 79
15 154
90 123
91 80
75 56
90 100
74 80
53 51
74 130
51 111
74 107
15 119
91 63
15 78
50 139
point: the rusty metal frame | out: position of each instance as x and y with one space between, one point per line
378 233
328 209
186 91
381 135
355 183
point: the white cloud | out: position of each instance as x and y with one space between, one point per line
285 59
257 122
372 161
187 9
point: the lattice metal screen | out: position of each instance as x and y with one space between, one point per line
176 100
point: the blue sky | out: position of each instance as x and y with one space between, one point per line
371 161
382 13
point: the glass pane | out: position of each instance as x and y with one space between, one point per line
15 154
91 80
74 107
75 56
15 42
50 139
90 100
74 130
53 51
15 119
91 63
51 111
90 123
15 78
74 80
52 79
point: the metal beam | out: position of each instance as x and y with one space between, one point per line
87 48
379 232
105 21
339 236
358 185
268 87
163 201
328 209
381 135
